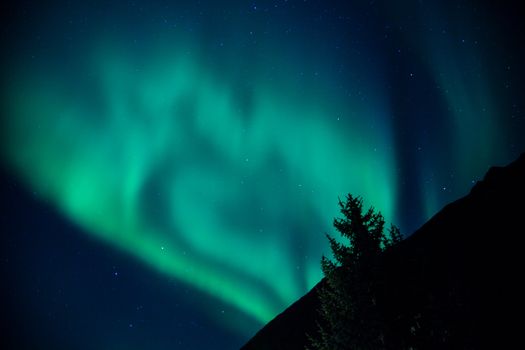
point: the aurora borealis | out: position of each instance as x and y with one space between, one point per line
209 141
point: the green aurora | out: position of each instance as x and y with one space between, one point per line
220 169
168 166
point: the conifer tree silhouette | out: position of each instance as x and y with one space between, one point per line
350 318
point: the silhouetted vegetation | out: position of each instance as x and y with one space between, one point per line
349 315
453 284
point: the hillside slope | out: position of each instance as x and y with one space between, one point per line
455 283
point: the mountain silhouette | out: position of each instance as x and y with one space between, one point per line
456 283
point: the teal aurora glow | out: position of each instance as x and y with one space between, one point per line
213 146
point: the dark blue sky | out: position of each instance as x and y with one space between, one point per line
169 168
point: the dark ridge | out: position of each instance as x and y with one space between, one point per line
455 283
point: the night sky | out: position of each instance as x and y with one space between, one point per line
169 168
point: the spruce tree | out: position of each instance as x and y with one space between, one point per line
350 318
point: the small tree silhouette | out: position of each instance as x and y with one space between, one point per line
350 318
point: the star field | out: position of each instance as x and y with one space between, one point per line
201 146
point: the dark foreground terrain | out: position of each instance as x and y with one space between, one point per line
456 283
